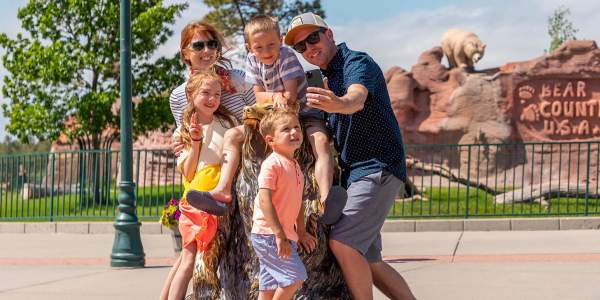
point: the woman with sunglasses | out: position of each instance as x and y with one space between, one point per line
201 49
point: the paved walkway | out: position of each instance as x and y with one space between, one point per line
437 265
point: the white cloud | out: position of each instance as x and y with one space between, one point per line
512 30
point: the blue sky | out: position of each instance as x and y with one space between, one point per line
340 11
396 32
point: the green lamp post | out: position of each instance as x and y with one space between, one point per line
127 248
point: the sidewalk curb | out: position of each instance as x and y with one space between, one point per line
422 225
509 224
76 227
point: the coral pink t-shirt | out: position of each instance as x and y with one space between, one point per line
285 179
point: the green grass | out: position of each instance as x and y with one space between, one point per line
440 202
73 207
452 203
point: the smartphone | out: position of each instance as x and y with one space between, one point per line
315 78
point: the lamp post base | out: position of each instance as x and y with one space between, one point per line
127 248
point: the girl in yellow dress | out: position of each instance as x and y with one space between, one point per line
204 123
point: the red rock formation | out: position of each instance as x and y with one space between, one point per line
555 97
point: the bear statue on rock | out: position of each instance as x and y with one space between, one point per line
462 48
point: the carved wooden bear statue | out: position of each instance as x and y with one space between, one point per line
231 251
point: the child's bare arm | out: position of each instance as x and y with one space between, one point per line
196 135
291 90
266 206
278 99
190 164
262 96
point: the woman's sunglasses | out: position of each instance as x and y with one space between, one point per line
312 39
199 45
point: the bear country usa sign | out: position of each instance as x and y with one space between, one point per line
558 109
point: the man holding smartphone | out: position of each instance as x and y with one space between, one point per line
314 78
360 117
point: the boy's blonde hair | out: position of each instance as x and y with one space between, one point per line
268 122
192 87
261 23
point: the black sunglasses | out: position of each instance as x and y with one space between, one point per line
199 45
312 39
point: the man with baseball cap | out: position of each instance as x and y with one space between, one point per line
373 171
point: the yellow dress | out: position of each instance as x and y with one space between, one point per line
196 225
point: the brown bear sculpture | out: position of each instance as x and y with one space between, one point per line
231 251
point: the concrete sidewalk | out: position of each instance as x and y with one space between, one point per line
437 265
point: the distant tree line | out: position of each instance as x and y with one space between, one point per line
11 146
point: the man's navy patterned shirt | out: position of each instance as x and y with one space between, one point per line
368 140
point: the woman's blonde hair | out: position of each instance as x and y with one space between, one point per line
187 34
192 87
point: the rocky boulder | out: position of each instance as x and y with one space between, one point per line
552 98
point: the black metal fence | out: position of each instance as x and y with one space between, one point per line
456 181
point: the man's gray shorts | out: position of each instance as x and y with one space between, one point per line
369 201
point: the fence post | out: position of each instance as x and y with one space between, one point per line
587 180
3 212
82 160
468 180
52 189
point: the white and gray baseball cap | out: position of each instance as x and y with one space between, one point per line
302 21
